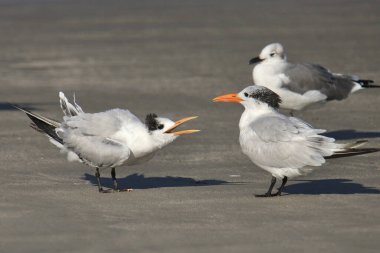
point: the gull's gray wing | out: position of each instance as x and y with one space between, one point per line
281 142
92 136
306 77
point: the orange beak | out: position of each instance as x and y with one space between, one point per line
231 98
180 122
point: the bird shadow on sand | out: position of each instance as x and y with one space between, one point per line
139 181
349 134
329 186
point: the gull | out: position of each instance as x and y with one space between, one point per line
284 146
109 139
304 84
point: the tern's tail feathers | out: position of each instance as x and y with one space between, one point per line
43 125
351 149
350 145
68 108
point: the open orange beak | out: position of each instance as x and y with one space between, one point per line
232 98
180 122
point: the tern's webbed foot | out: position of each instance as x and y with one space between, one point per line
101 190
124 190
266 195
114 190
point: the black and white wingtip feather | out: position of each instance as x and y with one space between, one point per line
352 149
41 123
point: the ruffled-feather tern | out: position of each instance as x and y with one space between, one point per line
283 146
109 139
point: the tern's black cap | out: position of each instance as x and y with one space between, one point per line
151 121
264 95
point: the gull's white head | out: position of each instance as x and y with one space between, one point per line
272 52
162 129
253 97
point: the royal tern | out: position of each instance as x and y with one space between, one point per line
301 85
284 146
109 139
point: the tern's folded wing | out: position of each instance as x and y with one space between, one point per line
91 136
282 142
101 124
98 151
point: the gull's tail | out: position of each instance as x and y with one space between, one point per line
348 80
351 149
367 83
68 108
43 125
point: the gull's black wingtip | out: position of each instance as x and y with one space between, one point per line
368 83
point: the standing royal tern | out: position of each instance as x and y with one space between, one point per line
284 146
301 85
107 139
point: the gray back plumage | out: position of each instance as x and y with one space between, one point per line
305 77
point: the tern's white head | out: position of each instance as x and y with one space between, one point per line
272 52
253 97
162 129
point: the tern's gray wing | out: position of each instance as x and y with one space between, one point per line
281 142
306 77
92 136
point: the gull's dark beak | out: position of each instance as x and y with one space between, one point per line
255 60
180 122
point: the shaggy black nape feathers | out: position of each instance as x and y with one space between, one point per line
267 96
151 121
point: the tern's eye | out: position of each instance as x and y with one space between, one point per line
245 94
272 54
160 126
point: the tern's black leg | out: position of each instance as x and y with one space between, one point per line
97 174
291 113
115 185
269 192
284 181
113 174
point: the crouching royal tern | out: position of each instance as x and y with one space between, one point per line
301 85
107 139
284 146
